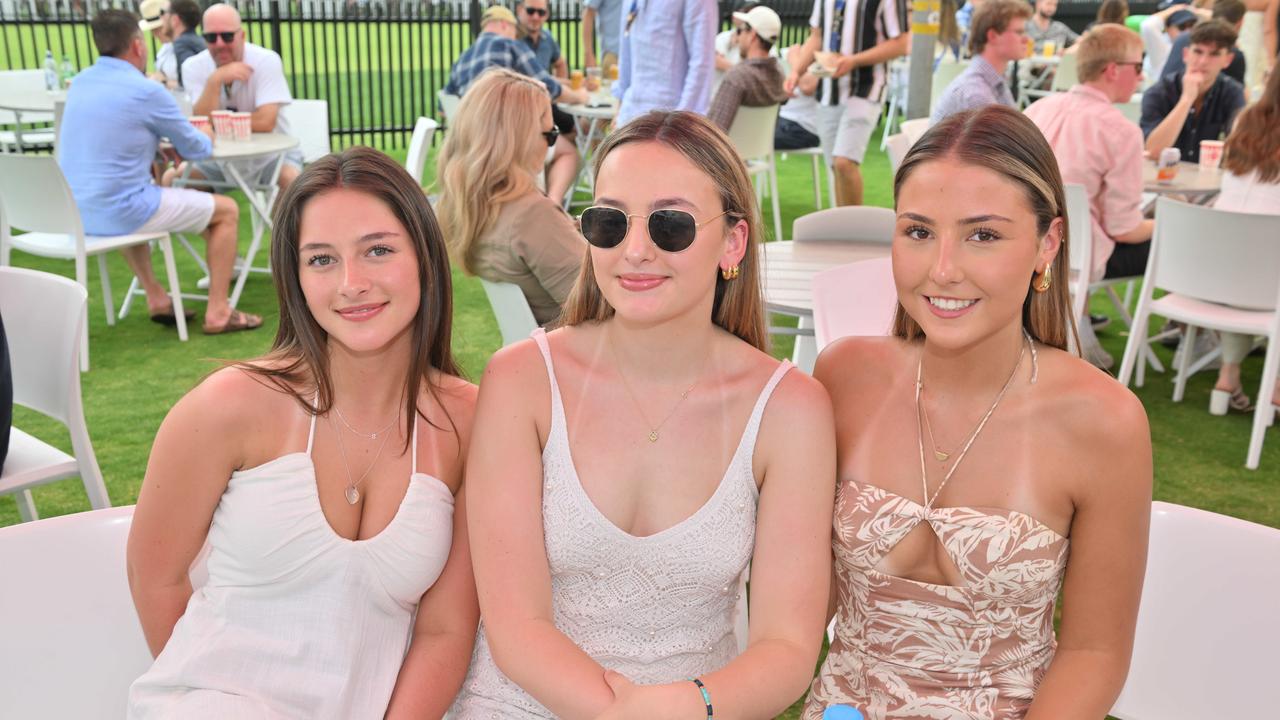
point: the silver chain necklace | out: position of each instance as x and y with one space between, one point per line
367 436
352 491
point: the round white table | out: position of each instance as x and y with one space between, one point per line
590 122
22 100
260 191
1192 180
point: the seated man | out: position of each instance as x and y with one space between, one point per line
1159 31
1198 103
111 127
1097 147
1230 12
532 31
798 117
183 18
497 45
232 74
756 81
1043 28
997 37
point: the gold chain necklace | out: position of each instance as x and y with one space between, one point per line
653 429
352 492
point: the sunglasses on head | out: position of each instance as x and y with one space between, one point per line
227 37
551 135
537 12
671 230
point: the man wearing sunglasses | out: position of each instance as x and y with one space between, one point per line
232 74
756 81
1199 103
531 16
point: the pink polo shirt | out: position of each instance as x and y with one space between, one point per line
1101 149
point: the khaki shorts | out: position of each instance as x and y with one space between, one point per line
181 211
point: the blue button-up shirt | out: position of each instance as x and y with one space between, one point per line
491 49
978 86
111 127
668 58
546 49
608 23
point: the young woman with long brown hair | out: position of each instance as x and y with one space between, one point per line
325 478
981 467
628 466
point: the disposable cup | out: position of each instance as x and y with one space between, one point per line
201 122
1211 153
241 125
221 120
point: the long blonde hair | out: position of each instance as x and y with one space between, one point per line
482 162
1005 142
739 303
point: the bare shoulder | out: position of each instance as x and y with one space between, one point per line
515 374
1093 407
234 397
861 364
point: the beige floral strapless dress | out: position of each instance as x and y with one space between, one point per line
907 649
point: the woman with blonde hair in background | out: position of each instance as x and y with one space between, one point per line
497 222
1251 184
628 466
981 467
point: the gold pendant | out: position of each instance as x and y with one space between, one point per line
353 495
942 457
653 436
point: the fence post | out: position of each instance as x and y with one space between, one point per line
276 43
476 11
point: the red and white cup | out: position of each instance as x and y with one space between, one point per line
1211 153
221 120
241 125
201 122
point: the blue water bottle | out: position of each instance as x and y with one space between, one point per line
841 712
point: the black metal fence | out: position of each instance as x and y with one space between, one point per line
379 63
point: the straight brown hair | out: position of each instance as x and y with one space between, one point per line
739 303
1254 142
298 362
1005 142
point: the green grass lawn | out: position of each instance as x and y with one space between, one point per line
139 369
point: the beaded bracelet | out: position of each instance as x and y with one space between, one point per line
706 696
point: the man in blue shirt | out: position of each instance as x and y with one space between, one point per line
111 127
668 58
496 46
532 16
606 16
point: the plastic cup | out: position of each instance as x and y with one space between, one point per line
1211 153
1049 48
221 120
1031 47
593 79
612 71
241 125
575 79
201 122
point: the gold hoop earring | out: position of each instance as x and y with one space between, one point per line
1046 279
731 273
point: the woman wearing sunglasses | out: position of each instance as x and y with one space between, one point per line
627 467
982 468
498 224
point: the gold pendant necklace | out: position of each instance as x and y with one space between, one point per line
653 429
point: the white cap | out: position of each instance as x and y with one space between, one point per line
153 12
764 21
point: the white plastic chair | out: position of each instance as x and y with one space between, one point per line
896 147
72 641
1221 271
752 135
1065 76
423 130
1208 628
309 122
815 154
857 299
851 223
22 130
914 130
34 197
43 316
448 105
511 309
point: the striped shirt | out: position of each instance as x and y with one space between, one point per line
864 25
978 86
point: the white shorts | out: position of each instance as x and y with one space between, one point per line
845 129
181 210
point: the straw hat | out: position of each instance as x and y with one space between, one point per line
153 12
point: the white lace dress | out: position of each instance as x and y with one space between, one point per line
658 608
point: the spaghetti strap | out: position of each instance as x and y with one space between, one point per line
757 413
413 468
311 434
557 405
